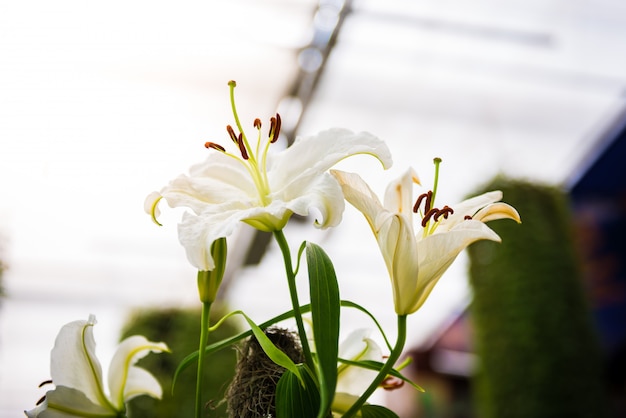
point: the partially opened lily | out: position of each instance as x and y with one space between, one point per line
77 375
352 381
417 255
261 188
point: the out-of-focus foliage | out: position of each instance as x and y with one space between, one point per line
180 330
538 351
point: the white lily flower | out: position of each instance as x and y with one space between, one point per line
77 375
352 381
260 188
417 255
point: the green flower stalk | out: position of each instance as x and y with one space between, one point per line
208 286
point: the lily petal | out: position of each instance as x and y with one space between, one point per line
127 380
495 211
309 156
437 252
399 193
357 346
64 402
74 363
359 195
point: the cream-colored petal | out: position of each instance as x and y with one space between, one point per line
64 402
495 211
399 193
125 379
437 252
298 165
399 249
357 347
359 195
325 197
74 363
197 232
342 403
219 179
468 208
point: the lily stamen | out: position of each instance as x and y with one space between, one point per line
447 210
242 147
467 218
257 123
432 212
231 133
40 401
275 123
215 146
45 382
419 200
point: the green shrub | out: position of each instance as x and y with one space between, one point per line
538 351
180 330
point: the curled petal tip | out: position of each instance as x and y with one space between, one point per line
151 206
498 210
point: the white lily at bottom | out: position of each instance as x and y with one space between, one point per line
352 381
77 375
416 256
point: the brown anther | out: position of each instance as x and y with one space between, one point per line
257 123
392 383
447 210
419 200
214 146
40 401
231 133
242 147
467 218
45 382
275 128
432 212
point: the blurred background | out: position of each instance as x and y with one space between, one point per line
102 103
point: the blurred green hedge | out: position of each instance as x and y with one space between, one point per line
538 351
180 330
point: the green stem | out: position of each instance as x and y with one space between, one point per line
382 374
291 281
204 338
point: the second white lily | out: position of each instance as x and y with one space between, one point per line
417 256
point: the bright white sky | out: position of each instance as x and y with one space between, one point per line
101 104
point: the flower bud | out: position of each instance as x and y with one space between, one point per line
209 281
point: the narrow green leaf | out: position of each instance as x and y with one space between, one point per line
275 354
377 411
294 399
220 345
325 311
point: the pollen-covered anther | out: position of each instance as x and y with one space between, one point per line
432 212
275 123
447 210
257 123
40 401
242 147
420 199
215 146
231 133
45 382
467 218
